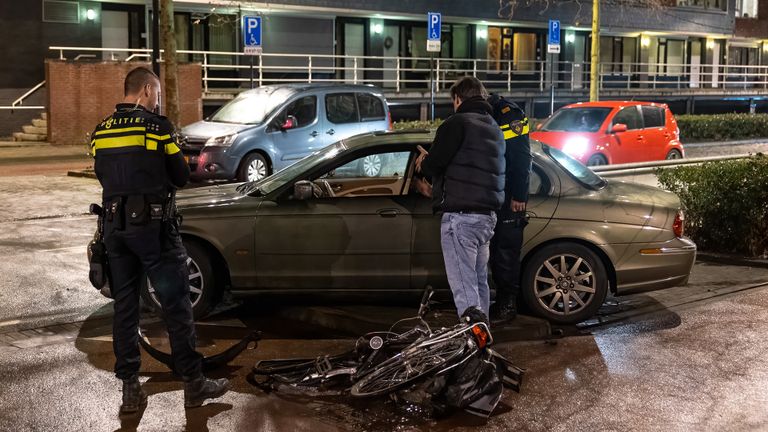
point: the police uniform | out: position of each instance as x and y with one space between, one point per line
138 163
508 236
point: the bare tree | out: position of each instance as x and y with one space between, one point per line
168 43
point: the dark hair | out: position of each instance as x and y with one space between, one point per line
137 79
467 87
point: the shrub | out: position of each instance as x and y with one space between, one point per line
725 202
722 127
427 124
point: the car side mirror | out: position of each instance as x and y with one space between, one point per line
619 127
302 190
289 123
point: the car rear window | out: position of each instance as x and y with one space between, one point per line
371 107
653 116
341 108
577 119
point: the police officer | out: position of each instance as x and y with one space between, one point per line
507 241
138 163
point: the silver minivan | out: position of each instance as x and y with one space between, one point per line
268 128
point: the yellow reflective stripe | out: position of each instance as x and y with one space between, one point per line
93 147
151 144
118 142
504 126
171 148
120 130
158 137
511 134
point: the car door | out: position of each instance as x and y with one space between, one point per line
628 146
342 116
303 137
656 135
353 234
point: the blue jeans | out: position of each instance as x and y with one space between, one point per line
465 239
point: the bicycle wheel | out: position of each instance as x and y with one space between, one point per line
407 366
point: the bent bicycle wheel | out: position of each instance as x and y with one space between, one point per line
407 366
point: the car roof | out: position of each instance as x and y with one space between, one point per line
301 87
612 104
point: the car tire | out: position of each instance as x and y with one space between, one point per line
584 283
253 167
597 160
371 165
674 154
204 294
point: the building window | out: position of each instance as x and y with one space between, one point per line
524 52
708 4
746 8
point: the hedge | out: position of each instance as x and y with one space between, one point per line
427 124
725 203
722 127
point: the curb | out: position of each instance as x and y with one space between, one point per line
88 173
725 143
731 260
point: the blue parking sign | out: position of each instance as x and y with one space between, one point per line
554 32
434 26
252 34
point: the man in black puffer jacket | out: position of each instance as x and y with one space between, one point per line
466 163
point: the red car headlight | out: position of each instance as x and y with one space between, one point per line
678 226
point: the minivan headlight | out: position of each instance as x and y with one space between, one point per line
223 141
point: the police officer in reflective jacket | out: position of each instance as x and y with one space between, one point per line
507 240
139 165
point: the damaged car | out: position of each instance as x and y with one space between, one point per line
324 225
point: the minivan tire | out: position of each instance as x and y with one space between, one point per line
253 167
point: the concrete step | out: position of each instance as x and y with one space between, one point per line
28 129
40 123
21 136
44 115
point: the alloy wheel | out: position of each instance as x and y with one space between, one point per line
565 284
372 165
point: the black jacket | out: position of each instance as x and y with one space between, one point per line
136 153
466 161
515 126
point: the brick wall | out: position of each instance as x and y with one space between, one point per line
754 27
81 94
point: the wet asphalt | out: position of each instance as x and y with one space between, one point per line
686 358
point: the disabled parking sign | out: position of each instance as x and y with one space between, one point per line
252 35
434 28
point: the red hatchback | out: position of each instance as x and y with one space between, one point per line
600 133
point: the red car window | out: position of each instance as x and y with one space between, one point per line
630 117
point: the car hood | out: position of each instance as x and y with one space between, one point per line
208 129
208 196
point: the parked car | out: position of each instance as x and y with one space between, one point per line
315 227
266 129
600 133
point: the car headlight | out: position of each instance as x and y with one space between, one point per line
576 146
223 141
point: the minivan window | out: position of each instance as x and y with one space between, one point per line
653 116
577 120
341 108
304 110
371 107
630 117
250 108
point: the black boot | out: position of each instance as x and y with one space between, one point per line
198 390
134 397
504 310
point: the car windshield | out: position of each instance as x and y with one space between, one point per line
252 107
578 171
577 120
273 182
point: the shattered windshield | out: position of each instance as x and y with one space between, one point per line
278 179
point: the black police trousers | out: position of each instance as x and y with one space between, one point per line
154 249
504 261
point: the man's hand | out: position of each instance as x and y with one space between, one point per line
423 187
517 206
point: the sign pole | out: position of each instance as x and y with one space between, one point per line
251 71
552 84
434 30
155 36
432 86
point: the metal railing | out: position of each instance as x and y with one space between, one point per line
18 103
235 70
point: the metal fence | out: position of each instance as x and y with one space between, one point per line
226 71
